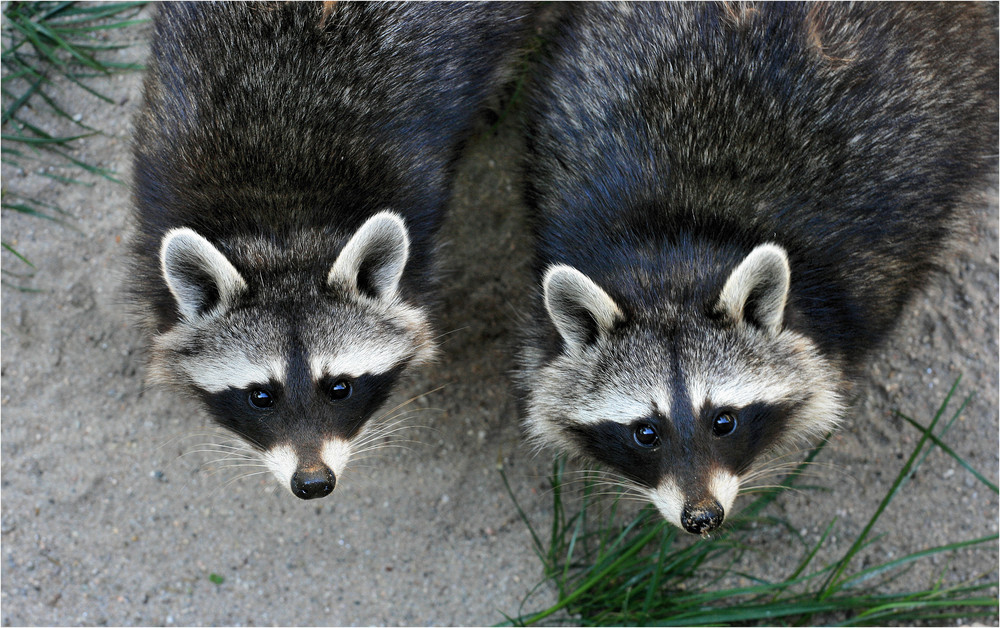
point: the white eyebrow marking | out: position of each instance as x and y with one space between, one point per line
232 370
739 393
618 401
622 409
356 361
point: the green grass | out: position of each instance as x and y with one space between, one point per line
613 569
45 44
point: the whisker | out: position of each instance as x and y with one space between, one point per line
239 465
367 453
811 469
387 433
623 495
214 471
374 444
767 487
385 430
382 443
399 420
223 446
211 472
354 466
381 425
228 483
446 334
235 455
605 482
412 399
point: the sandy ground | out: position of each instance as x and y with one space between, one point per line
111 515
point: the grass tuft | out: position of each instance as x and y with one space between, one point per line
45 43
610 570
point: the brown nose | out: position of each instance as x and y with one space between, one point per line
313 483
702 518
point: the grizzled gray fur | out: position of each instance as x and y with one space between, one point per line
732 205
292 165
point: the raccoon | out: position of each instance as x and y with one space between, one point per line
732 204
291 166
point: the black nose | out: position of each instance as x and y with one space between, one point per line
703 518
313 483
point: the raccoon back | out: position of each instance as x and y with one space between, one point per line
272 120
679 136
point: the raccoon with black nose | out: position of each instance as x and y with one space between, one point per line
732 204
292 164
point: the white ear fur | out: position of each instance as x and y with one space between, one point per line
579 308
372 262
758 289
199 276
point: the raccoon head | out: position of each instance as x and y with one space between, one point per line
682 399
293 359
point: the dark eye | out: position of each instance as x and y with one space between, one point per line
261 399
645 435
724 424
339 390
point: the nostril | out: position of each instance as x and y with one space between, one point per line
313 483
703 518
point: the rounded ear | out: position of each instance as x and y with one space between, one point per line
372 262
581 311
757 290
203 282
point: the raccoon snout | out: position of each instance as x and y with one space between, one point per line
313 483
703 518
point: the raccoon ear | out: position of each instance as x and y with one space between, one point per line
581 311
199 276
372 261
758 289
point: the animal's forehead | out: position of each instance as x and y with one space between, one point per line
357 345
311 323
252 332
690 364
692 336
254 345
669 348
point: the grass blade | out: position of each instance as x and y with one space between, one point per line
43 140
832 584
17 104
43 42
18 255
948 450
636 574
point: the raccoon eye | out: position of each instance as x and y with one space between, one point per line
645 435
261 399
339 390
724 424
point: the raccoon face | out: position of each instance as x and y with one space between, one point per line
296 365
682 400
